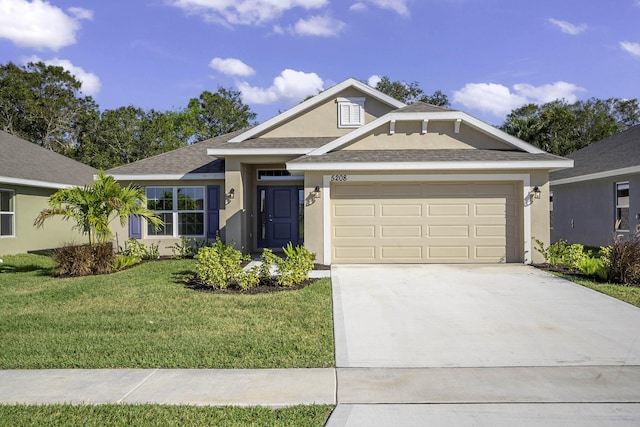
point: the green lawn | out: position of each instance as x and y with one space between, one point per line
145 318
630 294
160 415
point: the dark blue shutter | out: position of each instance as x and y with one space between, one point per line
213 210
135 227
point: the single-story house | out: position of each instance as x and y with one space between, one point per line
600 197
358 177
29 174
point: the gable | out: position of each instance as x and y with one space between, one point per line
322 119
439 135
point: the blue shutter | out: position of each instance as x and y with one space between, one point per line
213 210
135 227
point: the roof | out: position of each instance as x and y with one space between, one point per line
25 163
427 159
422 107
288 142
191 159
619 152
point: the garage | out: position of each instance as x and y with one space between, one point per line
425 222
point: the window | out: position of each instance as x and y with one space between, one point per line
276 175
7 213
350 112
622 206
183 206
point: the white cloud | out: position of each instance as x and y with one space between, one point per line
374 80
632 48
568 27
291 86
499 100
231 67
398 6
246 12
39 25
90 82
320 26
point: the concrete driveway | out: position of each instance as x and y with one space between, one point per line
497 345
476 316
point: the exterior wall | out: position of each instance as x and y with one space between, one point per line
121 233
313 216
440 135
322 121
29 202
584 212
539 214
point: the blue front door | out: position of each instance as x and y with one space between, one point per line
279 216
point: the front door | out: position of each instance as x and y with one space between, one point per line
280 210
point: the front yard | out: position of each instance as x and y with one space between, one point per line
144 317
630 294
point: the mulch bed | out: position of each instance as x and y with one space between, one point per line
196 284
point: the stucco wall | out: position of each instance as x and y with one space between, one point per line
322 121
29 202
584 212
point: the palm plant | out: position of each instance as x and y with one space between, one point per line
93 207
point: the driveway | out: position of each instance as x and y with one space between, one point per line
476 316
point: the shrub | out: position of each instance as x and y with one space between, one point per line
122 261
247 279
295 268
269 260
592 266
83 260
220 264
562 252
103 255
623 260
138 249
185 248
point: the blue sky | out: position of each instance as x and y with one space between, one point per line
488 56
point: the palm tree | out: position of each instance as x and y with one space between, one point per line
93 207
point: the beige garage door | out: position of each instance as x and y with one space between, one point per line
425 223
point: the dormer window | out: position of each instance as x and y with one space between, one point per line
350 112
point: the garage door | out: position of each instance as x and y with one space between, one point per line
425 223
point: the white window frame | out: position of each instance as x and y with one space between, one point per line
175 212
11 213
619 206
355 107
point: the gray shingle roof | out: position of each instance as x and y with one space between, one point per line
422 107
314 142
22 159
616 152
447 155
190 159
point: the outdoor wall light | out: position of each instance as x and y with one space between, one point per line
232 193
536 192
316 192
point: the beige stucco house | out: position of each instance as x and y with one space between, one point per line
29 174
358 177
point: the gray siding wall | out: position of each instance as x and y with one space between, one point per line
591 207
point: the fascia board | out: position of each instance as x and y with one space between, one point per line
33 183
389 166
431 116
167 177
597 175
319 98
257 151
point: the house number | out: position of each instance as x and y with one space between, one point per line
338 177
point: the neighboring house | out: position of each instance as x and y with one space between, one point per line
359 177
600 197
29 174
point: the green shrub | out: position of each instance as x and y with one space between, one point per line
138 249
122 261
592 266
269 260
247 279
295 268
623 260
185 248
562 253
220 265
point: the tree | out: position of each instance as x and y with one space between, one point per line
562 128
43 103
410 92
94 207
125 135
214 114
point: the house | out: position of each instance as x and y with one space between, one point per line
29 174
358 177
600 197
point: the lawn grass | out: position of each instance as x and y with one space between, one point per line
630 294
144 317
160 415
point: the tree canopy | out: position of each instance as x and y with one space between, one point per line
562 128
410 92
